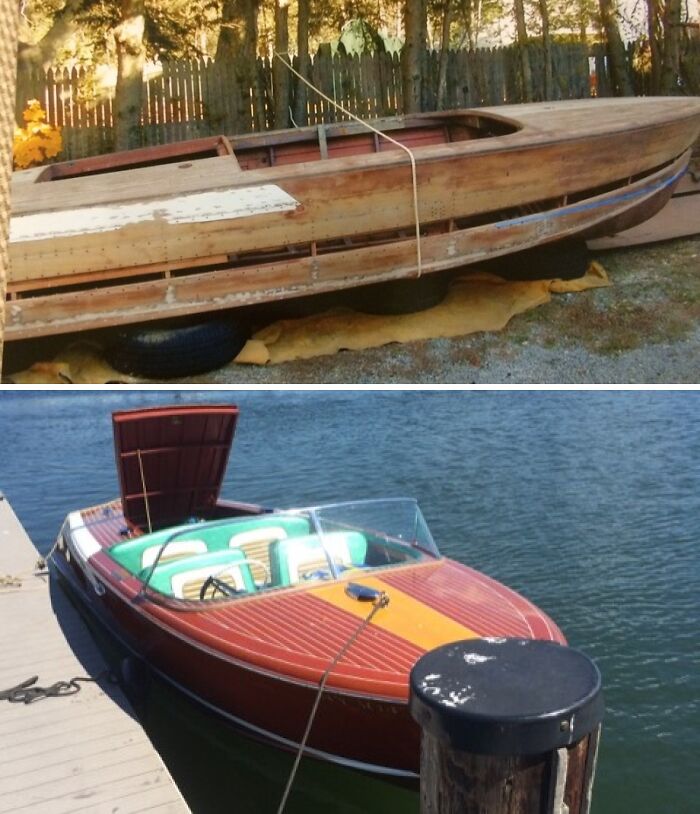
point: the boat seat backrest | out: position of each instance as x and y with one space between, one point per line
219 535
173 551
255 544
184 578
298 558
131 554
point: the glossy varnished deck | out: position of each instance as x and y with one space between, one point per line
82 753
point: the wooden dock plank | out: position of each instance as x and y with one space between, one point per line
25 783
84 752
18 762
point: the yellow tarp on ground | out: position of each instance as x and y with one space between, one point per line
81 363
475 302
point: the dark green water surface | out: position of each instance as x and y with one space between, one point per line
588 503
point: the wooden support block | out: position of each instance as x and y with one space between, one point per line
679 218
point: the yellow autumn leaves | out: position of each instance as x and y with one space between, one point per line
36 141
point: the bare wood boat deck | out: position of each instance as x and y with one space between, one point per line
84 752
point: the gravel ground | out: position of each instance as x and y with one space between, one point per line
644 329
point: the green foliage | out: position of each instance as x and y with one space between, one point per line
171 26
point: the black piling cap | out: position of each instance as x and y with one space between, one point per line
506 696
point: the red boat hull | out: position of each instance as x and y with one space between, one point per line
348 729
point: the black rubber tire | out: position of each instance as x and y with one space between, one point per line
566 259
400 296
169 351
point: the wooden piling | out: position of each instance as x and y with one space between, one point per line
509 726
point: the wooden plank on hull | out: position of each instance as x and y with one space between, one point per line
84 752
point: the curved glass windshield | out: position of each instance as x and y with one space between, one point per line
392 531
245 555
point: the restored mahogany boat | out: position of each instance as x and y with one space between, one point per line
215 224
245 608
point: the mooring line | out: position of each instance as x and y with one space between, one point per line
414 177
27 692
381 602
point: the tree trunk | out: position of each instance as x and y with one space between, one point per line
281 74
619 76
413 54
547 51
654 34
521 31
583 18
444 55
43 53
237 44
670 65
301 96
131 56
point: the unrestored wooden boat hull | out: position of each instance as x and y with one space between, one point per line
549 171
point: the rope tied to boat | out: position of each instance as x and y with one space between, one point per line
28 691
380 602
10 581
145 493
414 175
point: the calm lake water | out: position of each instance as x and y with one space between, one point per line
588 503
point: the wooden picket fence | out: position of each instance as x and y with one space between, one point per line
188 99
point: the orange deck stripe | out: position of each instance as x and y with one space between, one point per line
405 616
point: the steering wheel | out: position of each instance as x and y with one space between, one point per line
218 584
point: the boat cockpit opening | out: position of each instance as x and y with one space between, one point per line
344 139
323 141
232 557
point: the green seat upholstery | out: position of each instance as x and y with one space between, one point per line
134 555
184 577
297 558
199 538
